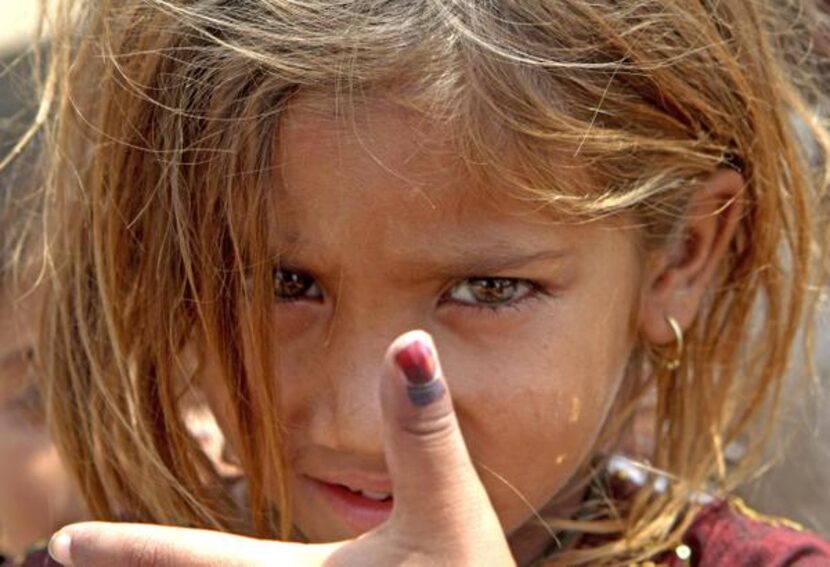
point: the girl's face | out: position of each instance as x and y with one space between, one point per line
378 234
36 494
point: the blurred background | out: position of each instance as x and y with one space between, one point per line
18 19
796 483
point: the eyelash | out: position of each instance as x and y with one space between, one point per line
534 291
300 275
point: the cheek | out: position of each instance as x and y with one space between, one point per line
531 410
219 404
34 491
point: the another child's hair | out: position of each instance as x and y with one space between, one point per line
160 164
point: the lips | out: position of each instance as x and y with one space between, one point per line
362 505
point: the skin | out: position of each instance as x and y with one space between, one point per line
373 219
36 494
538 371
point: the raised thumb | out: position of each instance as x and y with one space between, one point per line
436 490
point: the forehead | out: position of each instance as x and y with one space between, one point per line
320 135
379 155
383 184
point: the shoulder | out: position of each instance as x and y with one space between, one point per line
727 533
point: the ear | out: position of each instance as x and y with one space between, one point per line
680 274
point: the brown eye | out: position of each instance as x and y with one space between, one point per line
30 399
491 291
27 406
290 285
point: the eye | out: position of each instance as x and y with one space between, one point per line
26 408
292 285
29 400
492 292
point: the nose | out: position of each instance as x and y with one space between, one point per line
342 395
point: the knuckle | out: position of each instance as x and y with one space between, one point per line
433 429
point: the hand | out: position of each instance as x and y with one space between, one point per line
441 513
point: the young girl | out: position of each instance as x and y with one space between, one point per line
590 208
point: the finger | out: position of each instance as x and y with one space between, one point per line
98 544
436 487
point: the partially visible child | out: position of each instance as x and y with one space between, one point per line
37 495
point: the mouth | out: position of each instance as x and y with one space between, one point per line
361 508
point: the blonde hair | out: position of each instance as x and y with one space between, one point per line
161 136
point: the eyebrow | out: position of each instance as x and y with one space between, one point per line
458 261
488 261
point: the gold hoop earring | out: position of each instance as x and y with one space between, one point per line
673 363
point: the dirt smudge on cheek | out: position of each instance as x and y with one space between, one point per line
575 411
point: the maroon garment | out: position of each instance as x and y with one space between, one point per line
36 558
727 534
